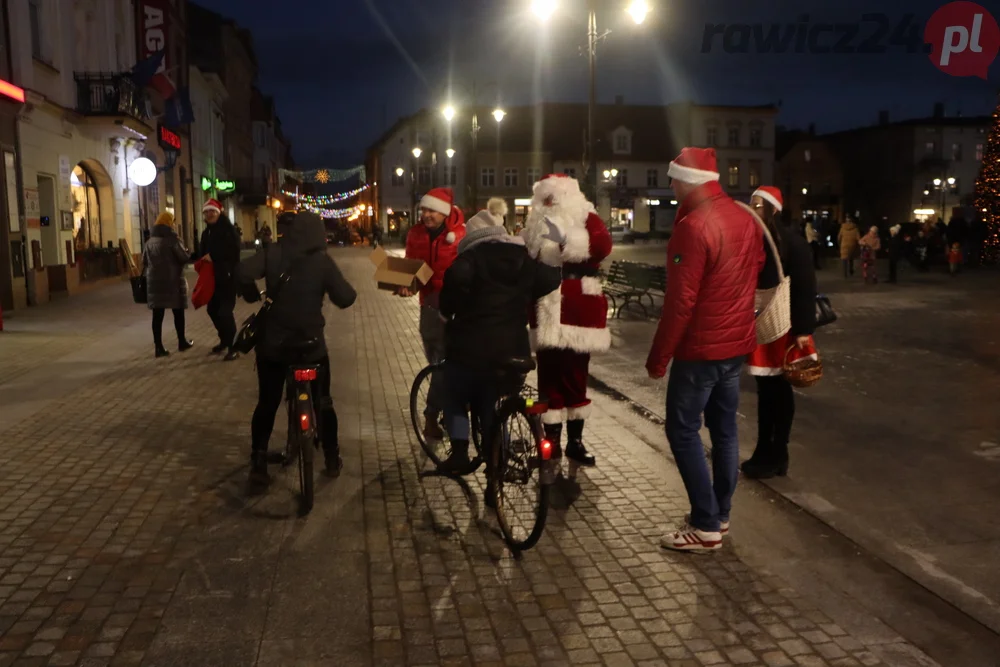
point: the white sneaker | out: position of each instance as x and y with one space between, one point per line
690 538
723 525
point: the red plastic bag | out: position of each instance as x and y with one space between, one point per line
205 287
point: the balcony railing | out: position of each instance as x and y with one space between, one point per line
105 94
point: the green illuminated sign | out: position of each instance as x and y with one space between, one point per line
222 186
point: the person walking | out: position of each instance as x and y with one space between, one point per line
486 297
896 249
435 241
296 318
812 238
848 239
569 324
707 329
775 397
870 245
164 257
220 245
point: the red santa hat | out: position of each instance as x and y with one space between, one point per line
212 205
439 200
772 195
694 166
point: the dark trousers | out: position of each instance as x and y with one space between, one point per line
220 309
712 389
158 314
469 388
893 269
775 414
271 378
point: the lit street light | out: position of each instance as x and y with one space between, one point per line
937 182
499 114
951 181
417 152
399 171
449 113
638 10
450 153
544 9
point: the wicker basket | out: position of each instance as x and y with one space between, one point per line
774 305
802 373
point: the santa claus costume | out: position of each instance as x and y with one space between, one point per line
570 324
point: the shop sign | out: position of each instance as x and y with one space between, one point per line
168 139
221 186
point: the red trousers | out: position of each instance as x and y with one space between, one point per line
562 379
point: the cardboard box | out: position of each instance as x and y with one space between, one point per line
391 273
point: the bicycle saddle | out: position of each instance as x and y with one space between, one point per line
522 365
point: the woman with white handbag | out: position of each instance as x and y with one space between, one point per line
785 324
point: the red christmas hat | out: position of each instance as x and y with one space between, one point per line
772 195
439 199
694 166
212 205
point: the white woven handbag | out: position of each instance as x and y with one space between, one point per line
773 306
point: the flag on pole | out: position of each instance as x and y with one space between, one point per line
146 69
179 110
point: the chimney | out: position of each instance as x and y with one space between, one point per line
619 100
883 117
939 109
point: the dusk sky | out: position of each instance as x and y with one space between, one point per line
343 71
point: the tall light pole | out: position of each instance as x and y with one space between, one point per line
498 116
638 10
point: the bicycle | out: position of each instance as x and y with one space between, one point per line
436 450
303 427
518 450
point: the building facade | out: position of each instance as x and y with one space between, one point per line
811 178
208 166
13 282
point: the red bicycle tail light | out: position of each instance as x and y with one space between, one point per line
304 421
307 375
546 447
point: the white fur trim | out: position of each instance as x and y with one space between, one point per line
591 286
763 371
582 412
450 237
554 417
551 333
577 247
767 196
690 175
435 204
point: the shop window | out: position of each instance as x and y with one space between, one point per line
86 209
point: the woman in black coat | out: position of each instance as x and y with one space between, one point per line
164 257
775 397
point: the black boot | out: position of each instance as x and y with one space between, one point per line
220 348
553 433
184 345
574 444
767 461
259 478
458 462
232 355
334 463
161 352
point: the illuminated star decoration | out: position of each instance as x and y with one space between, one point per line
322 176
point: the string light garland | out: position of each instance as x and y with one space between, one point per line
326 200
352 213
988 192
325 175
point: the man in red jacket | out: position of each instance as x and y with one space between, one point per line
435 241
707 329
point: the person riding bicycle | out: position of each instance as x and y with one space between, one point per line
296 317
485 299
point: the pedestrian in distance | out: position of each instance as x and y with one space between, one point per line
775 397
296 317
848 238
812 237
870 245
897 247
164 258
955 259
435 241
220 245
707 329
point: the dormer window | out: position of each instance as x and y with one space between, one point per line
622 141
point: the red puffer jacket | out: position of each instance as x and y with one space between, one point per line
713 260
438 254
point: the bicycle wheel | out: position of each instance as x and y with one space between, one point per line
440 449
306 449
520 495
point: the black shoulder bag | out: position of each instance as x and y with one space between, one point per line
825 314
140 289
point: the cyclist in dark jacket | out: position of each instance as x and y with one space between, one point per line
487 294
296 317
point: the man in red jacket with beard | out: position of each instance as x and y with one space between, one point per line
707 329
435 241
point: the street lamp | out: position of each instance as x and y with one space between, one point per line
417 152
610 173
499 114
449 113
399 171
450 153
638 9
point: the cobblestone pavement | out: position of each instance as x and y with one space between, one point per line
126 537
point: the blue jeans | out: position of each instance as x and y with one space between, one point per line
712 388
465 388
